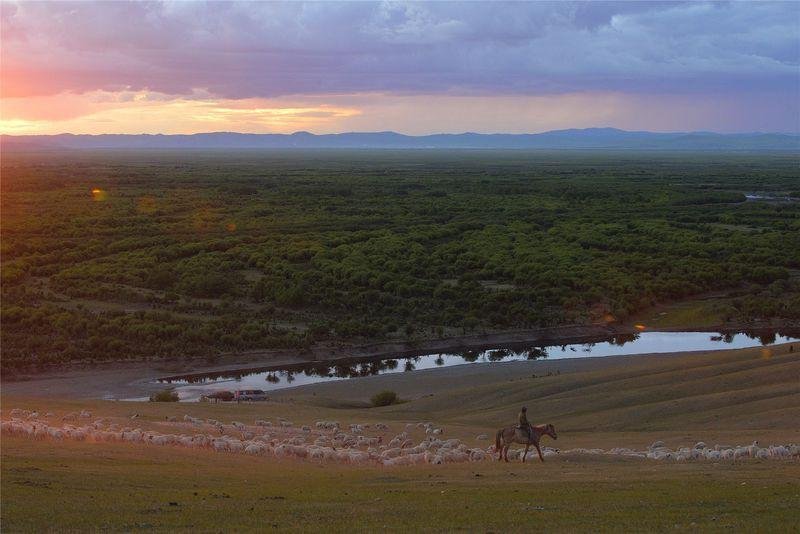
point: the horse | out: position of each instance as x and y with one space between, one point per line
506 436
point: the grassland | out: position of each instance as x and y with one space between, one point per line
77 487
719 397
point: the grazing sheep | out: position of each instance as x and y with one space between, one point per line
327 425
409 459
477 455
349 448
255 449
740 452
779 451
392 453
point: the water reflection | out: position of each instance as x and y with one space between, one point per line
621 339
635 343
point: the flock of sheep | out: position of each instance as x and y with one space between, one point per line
328 441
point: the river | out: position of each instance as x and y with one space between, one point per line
191 387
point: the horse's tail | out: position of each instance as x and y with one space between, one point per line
497 439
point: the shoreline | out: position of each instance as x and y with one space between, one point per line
264 359
402 349
118 380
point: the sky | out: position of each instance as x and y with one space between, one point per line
415 68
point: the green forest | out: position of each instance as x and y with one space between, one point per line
170 255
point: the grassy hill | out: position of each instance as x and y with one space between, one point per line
722 397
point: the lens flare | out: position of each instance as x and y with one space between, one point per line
98 195
639 326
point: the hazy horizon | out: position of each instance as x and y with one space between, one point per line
435 133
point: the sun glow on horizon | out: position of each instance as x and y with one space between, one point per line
147 112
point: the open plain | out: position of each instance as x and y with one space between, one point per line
721 398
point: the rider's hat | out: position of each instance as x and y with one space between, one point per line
524 409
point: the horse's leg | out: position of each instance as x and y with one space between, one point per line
539 451
505 451
527 446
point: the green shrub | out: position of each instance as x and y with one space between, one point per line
385 398
166 395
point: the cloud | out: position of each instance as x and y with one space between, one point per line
267 50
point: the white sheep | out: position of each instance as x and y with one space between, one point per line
255 449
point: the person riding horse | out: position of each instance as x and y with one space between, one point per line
524 425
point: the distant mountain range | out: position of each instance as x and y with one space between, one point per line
590 138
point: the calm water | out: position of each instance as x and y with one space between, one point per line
190 388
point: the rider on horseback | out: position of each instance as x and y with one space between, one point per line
524 425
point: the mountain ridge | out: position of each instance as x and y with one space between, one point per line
587 138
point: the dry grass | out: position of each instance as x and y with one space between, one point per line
85 487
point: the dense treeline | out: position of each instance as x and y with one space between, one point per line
161 254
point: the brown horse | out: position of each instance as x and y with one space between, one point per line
506 436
